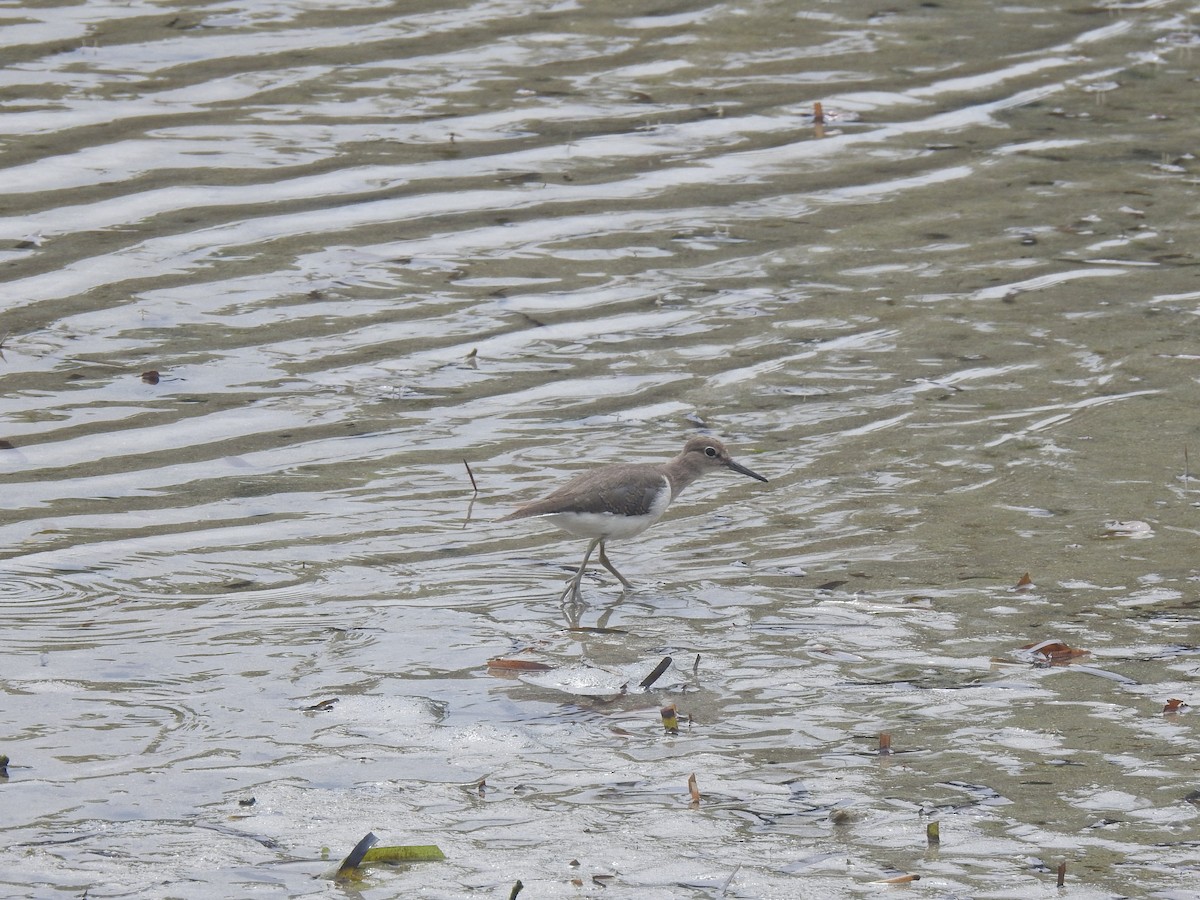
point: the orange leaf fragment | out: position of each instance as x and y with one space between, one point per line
899 879
693 789
1055 651
818 121
1024 583
518 665
1174 705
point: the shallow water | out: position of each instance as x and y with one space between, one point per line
954 324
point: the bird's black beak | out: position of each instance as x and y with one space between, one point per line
738 467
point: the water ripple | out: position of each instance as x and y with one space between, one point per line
276 274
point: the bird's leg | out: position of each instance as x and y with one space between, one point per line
573 587
608 565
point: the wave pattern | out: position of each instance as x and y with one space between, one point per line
276 273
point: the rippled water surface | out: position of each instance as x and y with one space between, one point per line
275 272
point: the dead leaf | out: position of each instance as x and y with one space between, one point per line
1055 651
899 879
518 665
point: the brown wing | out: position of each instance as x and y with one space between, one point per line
622 489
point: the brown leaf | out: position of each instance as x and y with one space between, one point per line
693 789
899 879
1055 652
518 665
1024 583
151 377
1174 705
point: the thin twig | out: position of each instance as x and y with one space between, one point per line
724 889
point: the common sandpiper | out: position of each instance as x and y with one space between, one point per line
623 500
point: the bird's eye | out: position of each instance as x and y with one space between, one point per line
710 452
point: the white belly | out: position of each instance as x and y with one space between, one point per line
608 525
605 525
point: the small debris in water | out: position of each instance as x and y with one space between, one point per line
1134 530
1054 652
348 870
830 585
670 718
898 879
693 789
885 743
405 853
840 816
322 706
518 665
656 674
365 853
